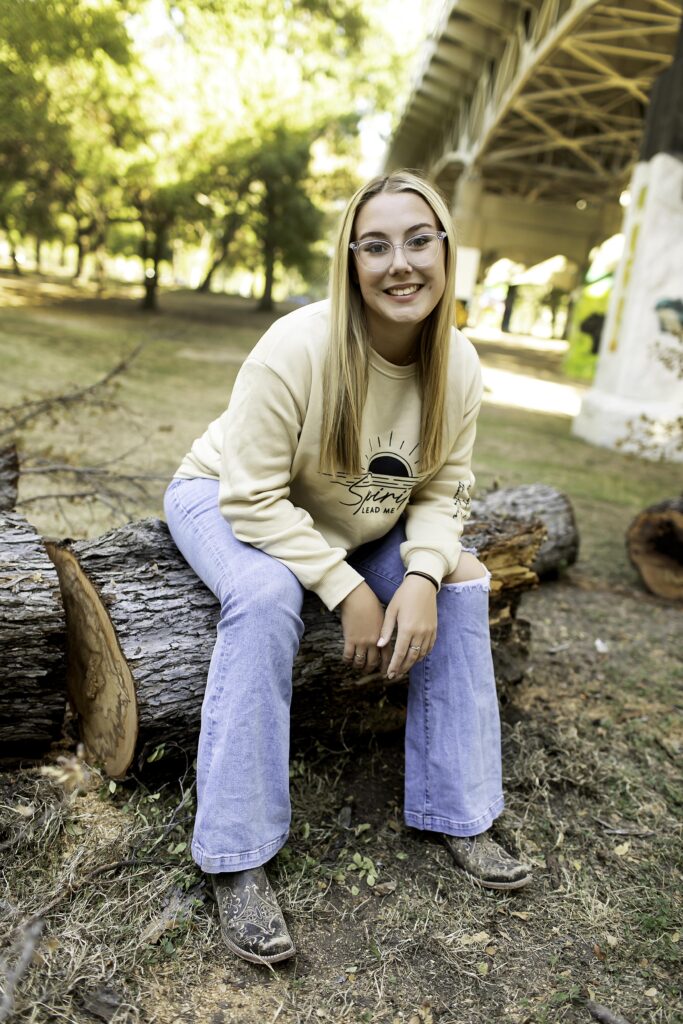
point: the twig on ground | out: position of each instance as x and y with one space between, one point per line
602 1014
631 830
29 940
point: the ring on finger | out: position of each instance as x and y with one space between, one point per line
359 657
414 647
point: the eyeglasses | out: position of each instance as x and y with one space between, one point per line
378 253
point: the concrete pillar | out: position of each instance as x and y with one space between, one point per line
467 202
636 403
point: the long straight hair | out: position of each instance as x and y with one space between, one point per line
346 367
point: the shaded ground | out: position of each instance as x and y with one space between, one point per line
592 744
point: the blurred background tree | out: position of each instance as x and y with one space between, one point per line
155 126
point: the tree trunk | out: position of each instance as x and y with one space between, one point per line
80 254
15 261
205 285
149 302
266 301
9 478
654 542
531 502
141 630
32 697
228 233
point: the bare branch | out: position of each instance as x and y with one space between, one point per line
23 413
603 1015
28 944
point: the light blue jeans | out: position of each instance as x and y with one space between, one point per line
452 742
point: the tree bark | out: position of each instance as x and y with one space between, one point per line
141 630
32 697
9 478
654 542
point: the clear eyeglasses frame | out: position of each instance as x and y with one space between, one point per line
419 250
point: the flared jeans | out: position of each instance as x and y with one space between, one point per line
452 739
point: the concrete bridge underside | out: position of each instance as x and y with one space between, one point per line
529 115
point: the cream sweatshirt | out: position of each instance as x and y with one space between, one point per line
265 448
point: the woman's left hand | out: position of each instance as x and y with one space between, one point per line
412 612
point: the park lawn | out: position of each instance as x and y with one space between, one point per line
592 739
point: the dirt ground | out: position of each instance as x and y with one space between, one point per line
103 916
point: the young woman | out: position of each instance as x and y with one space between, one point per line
342 466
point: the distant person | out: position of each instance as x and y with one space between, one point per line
342 466
592 326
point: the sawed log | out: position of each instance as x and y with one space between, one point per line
141 630
560 549
654 542
32 693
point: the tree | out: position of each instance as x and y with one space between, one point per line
96 131
285 219
159 210
41 39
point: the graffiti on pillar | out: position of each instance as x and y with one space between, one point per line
669 349
670 315
630 256
646 433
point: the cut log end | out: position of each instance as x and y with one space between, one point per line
99 682
654 542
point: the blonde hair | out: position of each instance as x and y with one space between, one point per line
346 367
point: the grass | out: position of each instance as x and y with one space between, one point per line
592 742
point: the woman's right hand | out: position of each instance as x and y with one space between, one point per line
362 617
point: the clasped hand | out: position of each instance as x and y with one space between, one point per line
368 628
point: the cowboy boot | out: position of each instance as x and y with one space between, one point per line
252 925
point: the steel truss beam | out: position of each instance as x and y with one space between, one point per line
554 98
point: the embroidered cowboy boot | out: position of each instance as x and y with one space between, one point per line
252 924
487 862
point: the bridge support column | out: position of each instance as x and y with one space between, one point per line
636 403
469 227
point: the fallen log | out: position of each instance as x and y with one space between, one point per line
531 502
32 695
654 542
141 630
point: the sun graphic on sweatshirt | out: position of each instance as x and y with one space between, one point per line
383 459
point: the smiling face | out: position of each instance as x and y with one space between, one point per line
399 298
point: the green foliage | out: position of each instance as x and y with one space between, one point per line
580 362
40 41
233 124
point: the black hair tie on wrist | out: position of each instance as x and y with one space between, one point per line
424 575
